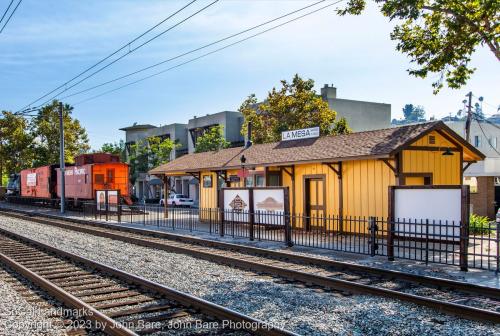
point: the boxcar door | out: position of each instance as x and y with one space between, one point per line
314 200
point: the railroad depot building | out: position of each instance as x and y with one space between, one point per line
344 175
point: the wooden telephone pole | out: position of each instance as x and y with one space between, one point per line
469 118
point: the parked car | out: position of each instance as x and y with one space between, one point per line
178 200
498 216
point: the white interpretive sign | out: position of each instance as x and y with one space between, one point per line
31 180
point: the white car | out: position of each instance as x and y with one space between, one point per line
178 200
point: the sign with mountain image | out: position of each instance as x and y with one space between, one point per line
269 206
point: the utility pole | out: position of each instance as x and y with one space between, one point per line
469 117
61 157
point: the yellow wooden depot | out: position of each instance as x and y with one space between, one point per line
343 176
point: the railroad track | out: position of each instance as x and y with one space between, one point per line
43 304
119 303
453 297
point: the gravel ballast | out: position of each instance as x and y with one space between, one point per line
305 311
19 317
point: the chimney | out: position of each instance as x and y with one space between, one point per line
249 136
328 92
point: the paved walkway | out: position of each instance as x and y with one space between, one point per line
482 277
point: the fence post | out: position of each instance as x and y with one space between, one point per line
221 222
251 214
464 233
372 224
158 217
390 226
107 206
464 228
427 241
390 239
498 247
119 213
288 230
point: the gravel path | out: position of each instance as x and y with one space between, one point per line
303 310
19 317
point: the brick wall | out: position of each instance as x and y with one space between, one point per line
483 201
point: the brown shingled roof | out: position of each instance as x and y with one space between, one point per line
381 143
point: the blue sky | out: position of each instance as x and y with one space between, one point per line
48 42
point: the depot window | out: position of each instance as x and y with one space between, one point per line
477 141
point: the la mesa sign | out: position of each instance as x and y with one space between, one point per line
304 133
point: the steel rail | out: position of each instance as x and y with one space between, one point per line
289 257
250 324
110 326
465 311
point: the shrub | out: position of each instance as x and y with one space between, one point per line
479 225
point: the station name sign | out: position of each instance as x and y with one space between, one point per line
304 133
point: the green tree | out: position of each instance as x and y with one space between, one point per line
45 131
212 140
159 151
413 113
114 148
149 153
440 36
295 105
16 150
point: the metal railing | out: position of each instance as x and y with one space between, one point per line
428 241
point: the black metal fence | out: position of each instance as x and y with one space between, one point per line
429 241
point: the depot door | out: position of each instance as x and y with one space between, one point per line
314 201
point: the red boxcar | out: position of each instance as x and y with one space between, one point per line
38 182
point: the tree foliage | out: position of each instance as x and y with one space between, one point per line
149 153
30 143
45 130
440 36
212 140
413 113
117 148
292 106
16 143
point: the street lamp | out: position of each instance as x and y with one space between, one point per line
243 159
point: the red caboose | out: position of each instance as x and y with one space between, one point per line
94 172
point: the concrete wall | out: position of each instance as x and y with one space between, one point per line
360 115
491 134
230 120
176 132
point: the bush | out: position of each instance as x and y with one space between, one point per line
479 225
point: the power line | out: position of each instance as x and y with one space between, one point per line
194 50
126 45
7 10
202 56
478 117
10 16
129 52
